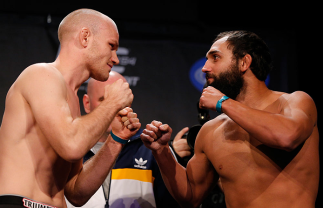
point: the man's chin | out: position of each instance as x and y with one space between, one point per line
101 77
208 83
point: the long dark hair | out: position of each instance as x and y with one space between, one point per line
244 42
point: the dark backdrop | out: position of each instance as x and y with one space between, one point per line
162 43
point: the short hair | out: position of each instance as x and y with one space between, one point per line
86 17
244 42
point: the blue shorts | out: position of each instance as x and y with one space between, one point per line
13 201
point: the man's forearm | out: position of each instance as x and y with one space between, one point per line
174 176
94 172
274 130
88 129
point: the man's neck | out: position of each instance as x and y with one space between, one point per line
255 94
73 72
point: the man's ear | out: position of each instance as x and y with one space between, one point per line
86 103
84 35
245 63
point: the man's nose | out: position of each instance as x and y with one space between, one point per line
206 67
115 58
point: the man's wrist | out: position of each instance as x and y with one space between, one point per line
110 107
218 106
118 139
161 149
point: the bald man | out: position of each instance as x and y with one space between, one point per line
43 137
95 95
135 180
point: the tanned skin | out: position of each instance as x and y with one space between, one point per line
264 148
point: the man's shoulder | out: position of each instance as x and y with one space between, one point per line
37 82
210 127
39 75
297 95
40 70
216 122
298 98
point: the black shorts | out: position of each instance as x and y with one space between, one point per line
13 201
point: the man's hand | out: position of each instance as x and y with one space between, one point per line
125 124
120 93
210 96
180 145
156 135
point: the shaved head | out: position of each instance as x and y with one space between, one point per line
78 19
89 41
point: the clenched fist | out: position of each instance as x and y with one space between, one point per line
120 93
156 135
125 124
210 96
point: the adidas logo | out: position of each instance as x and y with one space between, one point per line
140 163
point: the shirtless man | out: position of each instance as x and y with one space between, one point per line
43 137
264 147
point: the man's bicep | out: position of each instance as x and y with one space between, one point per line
201 175
45 92
301 109
200 171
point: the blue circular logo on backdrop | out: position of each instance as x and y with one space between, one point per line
197 77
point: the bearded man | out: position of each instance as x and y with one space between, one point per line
263 147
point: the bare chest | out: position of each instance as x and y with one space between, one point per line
234 153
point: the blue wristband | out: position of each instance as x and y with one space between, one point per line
218 106
118 139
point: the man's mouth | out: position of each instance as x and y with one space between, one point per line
208 78
110 65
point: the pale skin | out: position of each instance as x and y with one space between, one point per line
43 137
263 148
95 96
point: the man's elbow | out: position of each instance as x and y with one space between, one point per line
290 141
288 147
77 202
72 153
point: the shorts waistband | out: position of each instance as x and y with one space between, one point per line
22 201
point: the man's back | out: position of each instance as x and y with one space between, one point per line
255 175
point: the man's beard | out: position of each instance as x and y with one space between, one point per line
229 82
